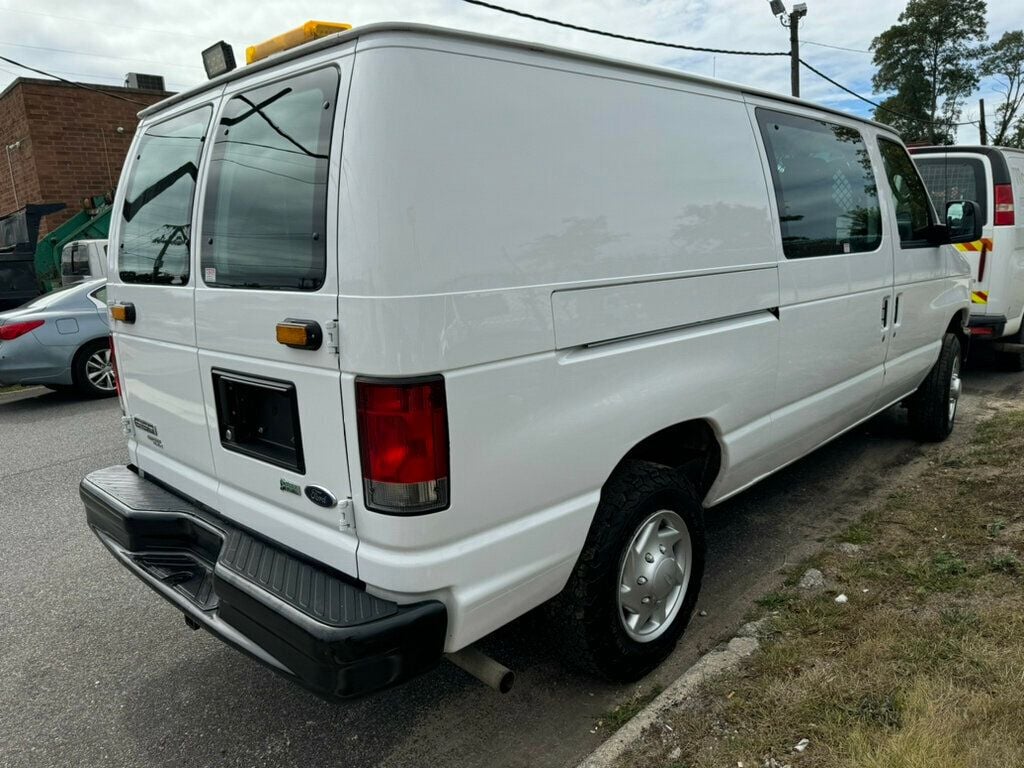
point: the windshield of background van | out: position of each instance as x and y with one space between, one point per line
156 220
265 211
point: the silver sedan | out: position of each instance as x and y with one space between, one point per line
60 340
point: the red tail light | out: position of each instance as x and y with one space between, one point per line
403 444
1004 205
11 331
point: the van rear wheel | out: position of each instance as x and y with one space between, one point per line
637 580
932 408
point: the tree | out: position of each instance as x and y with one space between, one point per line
929 58
1004 61
909 112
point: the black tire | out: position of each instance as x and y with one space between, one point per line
586 615
80 369
929 410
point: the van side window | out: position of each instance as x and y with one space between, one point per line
824 185
156 220
265 212
913 211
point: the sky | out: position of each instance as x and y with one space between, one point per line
101 40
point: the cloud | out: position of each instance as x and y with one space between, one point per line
108 38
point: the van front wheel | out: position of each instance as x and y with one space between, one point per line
636 582
932 409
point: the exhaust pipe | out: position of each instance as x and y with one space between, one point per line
484 668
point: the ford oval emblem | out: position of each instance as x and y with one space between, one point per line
320 496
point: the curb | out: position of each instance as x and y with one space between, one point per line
711 664
17 394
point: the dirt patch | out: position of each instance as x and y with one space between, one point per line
922 665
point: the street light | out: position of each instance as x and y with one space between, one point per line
791 20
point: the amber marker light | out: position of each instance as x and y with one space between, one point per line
299 334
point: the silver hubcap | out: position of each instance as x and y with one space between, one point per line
99 370
955 385
654 575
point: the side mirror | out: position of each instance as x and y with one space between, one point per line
964 221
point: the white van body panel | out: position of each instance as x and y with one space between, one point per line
157 356
1015 244
236 332
588 252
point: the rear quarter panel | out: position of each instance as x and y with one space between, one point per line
584 261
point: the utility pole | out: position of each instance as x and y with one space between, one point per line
982 130
794 52
791 20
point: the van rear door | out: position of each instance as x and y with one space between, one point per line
152 277
266 307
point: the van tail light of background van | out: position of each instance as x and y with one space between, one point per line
11 331
403 444
1004 205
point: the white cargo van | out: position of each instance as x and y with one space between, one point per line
994 178
83 260
465 324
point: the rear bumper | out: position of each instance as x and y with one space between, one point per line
298 617
991 325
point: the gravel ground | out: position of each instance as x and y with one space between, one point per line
97 670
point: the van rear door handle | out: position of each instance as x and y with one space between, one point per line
885 313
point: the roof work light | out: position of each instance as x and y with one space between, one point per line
218 59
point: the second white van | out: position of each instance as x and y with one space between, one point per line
417 330
993 177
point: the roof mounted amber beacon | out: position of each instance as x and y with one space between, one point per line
311 30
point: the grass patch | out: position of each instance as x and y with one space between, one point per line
925 664
12 388
623 713
775 601
1004 564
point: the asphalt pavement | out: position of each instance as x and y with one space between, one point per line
97 670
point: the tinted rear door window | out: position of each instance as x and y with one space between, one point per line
156 220
265 212
824 184
951 180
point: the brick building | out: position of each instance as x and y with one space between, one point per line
59 143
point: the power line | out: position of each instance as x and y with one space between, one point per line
835 47
98 55
876 105
663 44
73 83
104 23
616 35
117 80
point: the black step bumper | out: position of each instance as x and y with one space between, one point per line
994 325
296 616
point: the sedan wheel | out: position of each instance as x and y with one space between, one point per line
94 370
